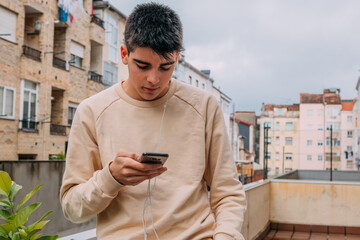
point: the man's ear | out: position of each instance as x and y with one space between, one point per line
124 54
177 57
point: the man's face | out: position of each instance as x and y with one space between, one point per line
149 73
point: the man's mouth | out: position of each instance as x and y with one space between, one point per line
150 89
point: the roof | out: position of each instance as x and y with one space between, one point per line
330 96
311 98
240 121
347 105
270 107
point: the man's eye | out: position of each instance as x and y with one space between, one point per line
165 69
142 67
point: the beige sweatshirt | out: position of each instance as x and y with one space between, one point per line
194 136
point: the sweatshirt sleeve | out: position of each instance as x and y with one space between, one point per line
227 197
87 187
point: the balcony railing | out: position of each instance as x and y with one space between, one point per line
59 63
56 129
28 125
95 77
31 53
97 20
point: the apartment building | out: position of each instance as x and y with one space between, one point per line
320 121
348 141
50 61
279 138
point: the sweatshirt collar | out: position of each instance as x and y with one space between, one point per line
160 101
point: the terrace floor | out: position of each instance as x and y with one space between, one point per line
279 231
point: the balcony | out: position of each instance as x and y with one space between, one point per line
97 21
31 53
56 129
28 125
59 63
95 77
304 204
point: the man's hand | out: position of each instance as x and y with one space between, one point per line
127 169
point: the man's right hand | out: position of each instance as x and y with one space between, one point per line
127 169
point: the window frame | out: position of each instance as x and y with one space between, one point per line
2 114
31 91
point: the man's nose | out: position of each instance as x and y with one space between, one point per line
153 77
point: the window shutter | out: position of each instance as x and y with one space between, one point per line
8 24
77 49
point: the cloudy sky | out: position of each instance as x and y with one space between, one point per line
271 50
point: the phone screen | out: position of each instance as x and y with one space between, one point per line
154 158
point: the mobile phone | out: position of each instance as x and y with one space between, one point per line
154 158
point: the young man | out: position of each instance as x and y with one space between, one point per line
150 112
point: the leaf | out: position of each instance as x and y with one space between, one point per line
27 197
3 232
5 228
5 203
4 214
5 183
22 216
14 189
32 233
54 237
33 226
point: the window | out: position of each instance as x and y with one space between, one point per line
288 169
277 126
110 74
336 142
309 127
276 171
320 112
29 105
76 54
7 102
267 125
320 143
268 140
203 86
190 80
288 141
349 119
309 142
277 140
320 157
277 156
268 156
335 126
320 128
111 37
349 134
280 112
197 83
71 112
288 156
309 112
349 148
289 126
8 25
309 157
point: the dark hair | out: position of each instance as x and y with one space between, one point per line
155 26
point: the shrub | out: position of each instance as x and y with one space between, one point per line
16 216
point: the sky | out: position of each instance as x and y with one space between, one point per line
270 51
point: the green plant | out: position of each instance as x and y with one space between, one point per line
16 216
59 156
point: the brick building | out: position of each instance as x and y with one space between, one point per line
48 65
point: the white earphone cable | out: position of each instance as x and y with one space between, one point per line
149 190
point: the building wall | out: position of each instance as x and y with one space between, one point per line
56 87
348 163
312 127
278 148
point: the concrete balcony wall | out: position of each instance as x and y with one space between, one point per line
257 216
315 202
